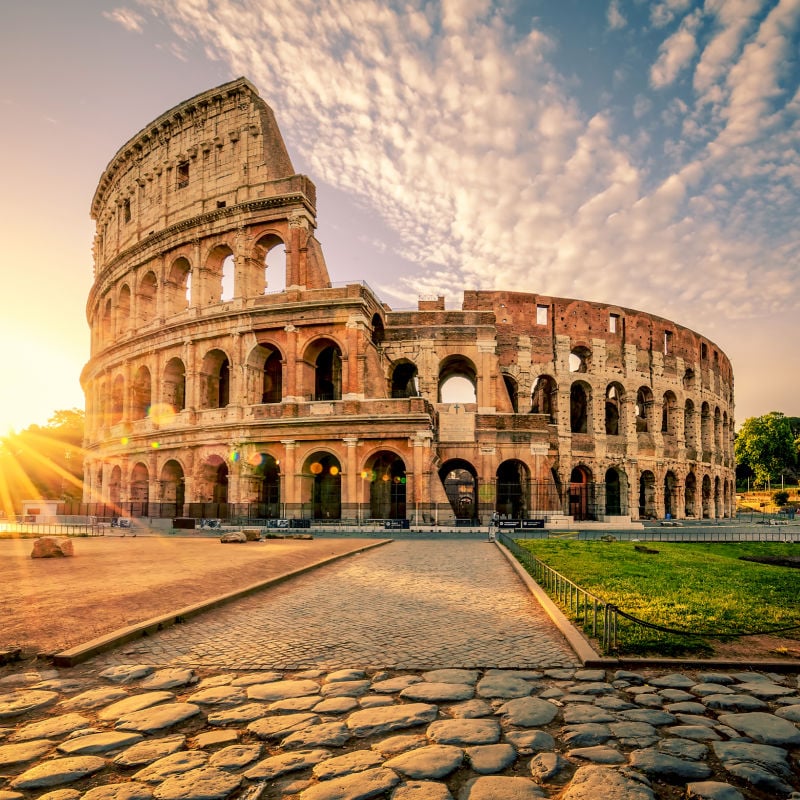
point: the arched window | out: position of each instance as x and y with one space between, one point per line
117 399
613 415
644 410
267 474
669 413
328 374
378 330
670 495
216 376
460 481
458 380
580 493
513 489
175 384
706 431
173 486
228 285
386 473
179 286
580 359
271 254
616 492
579 405
146 298
544 397
647 495
218 278
124 309
405 382
142 395
140 486
690 495
325 476
689 427
513 393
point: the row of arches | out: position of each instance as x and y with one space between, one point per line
140 299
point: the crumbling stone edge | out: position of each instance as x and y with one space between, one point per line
83 652
591 659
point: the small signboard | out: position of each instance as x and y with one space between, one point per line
533 523
395 524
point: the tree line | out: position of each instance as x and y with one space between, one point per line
767 450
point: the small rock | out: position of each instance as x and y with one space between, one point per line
52 547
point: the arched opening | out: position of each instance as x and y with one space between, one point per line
580 359
228 282
173 487
647 495
706 432
580 486
644 410
706 489
378 330
616 492
219 266
117 399
579 404
458 380
670 495
124 309
544 397
689 429
513 489
179 286
216 380
386 473
328 374
513 393
460 481
106 323
114 487
325 476
669 414
718 498
717 430
688 379
405 382
690 495
146 298
272 276
140 488
142 394
613 411
175 384
267 474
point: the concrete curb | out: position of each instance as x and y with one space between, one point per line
589 658
82 652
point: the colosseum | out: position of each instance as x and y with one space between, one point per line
229 378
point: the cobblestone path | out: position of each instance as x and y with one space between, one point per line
407 605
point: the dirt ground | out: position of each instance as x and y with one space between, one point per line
49 604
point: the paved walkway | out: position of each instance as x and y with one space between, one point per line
406 605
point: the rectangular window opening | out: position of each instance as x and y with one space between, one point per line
667 342
126 210
703 351
183 174
221 204
541 315
613 323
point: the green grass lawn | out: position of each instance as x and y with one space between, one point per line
691 587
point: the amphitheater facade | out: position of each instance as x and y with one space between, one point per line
228 375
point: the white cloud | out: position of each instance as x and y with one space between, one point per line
129 19
676 52
662 13
614 16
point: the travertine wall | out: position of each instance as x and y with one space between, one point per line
205 384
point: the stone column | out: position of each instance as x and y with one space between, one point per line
291 380
351 472
485 391
289 477
352 382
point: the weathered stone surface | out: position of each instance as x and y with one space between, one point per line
422 790
95 698
712 790
428 692
345 688
217 737
157 718
464 731
134 703
648 715
58 771
98 743
599 754
358 786
393 685
469 676
237 715
52 547
580 714
281 690
120 791
55 794
471 709
51 728
22 701
792 713
375 700
586 735
688 707
218 695
488 759
503 686
304 703
667 768
527 742
734 702
345 675
24 751
546 767
699 733
762 765
765 690
398 744
371 721
173 764
593 782
233 537
168 678
673 681
763 728
330 734
495 787
593 688
206 783
433 761
236 756
124 673
276 727
150 750
683 748
335 705
706 689
252 678
275 766
357 761
528 712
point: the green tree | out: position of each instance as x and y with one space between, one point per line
766 445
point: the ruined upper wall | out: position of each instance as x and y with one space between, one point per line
219 149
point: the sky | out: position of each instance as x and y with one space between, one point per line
644 153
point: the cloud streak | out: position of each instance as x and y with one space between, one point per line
455 126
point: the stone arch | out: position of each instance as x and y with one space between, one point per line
717 430
718 509
616 481
117 399
513 391
386 473
690 495
322 472
460 481
140 484
378 330
178 286
266 472
324 357
215 380
580 491
458 380
670 495
706 496
175 384
404 380
146 294
270 263
580 404
669 414
706 431
124 309
647 495
580 359
265 374
173 484
115 487
614 413
544 397
513 489
644 410
213 480
141 393
107 322
218 267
